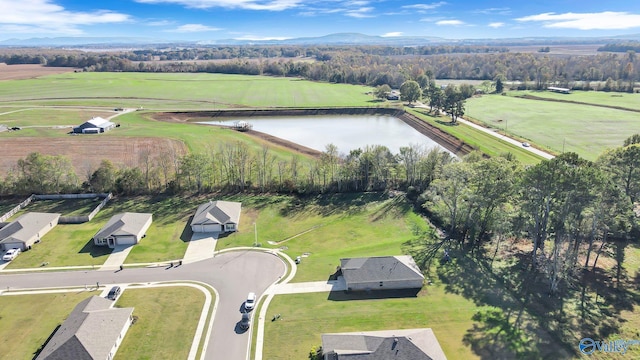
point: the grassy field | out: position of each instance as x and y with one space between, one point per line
178 91
65 207
625 100
50 116
586 130
327 227
29 320
166 322
486 143
299 329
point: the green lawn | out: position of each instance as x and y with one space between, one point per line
51 116
179 91
625 100
166 321
299 328
486 143
65 207
341 225
29 320
586 130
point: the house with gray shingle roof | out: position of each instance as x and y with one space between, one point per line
93 330
381 273
410 344
217 216
123 229
27 230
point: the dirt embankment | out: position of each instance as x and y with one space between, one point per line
444 139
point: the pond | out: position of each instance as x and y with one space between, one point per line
347 132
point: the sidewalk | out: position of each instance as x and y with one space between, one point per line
117 257
309 287
201 247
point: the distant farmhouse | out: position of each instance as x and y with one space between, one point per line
93 330
393 95
381 273
123 229
559 90
217 216
410 344
94 126
27 230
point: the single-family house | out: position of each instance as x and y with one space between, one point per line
217 216
93 330
123 229
381 273
94 126
559 90
410 344
27 230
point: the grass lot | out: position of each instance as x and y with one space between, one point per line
299 329
66 207
50 116
625 100
486 143
342 225
29 320
178 91
166 322
586 130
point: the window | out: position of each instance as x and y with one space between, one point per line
230 226
380 283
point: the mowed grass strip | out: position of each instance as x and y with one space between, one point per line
586 130
327 227
194 90
166 321
29 320
624 100
51 116
300 328
484 142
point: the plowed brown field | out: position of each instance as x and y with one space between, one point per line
86 151
14 72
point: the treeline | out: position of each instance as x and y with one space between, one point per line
364 65
621 47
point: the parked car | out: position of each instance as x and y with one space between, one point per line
245 322
526 144
114 293
251 301
11 254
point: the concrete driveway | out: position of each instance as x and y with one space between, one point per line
233 274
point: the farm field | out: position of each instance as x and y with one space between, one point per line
615 99
166 320
586 130
326 227
51 116
29 71
29 320
179 91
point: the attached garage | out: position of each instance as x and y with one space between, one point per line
216 216
27 230
123 229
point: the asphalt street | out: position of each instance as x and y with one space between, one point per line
232 274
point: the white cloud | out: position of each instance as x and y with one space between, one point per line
37 16
363 12
160 23
261 38
191 28
496 25
494 11
392 34
270 5
424 7
607 20
450 22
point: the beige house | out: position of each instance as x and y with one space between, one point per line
123 229
217 216
27 230
381 273
410 344
93 330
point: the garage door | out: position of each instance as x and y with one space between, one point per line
211 228
126 240
7 246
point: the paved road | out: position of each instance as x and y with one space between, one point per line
233 274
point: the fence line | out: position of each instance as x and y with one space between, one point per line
19 207
63 219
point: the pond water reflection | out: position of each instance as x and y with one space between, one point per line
347 132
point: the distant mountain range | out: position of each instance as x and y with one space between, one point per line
331 39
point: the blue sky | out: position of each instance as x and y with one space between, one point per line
281 19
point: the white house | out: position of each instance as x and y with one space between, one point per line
27 230
94 126
217 216
381 273
123 229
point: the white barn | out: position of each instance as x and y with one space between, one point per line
94 126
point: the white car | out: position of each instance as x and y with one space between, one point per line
526 144
251 301
11 254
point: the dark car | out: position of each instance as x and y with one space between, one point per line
114 293
245 322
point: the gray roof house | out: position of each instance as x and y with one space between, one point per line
27 230
381 273
94 126
123 229
93 330
410 344
217 216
